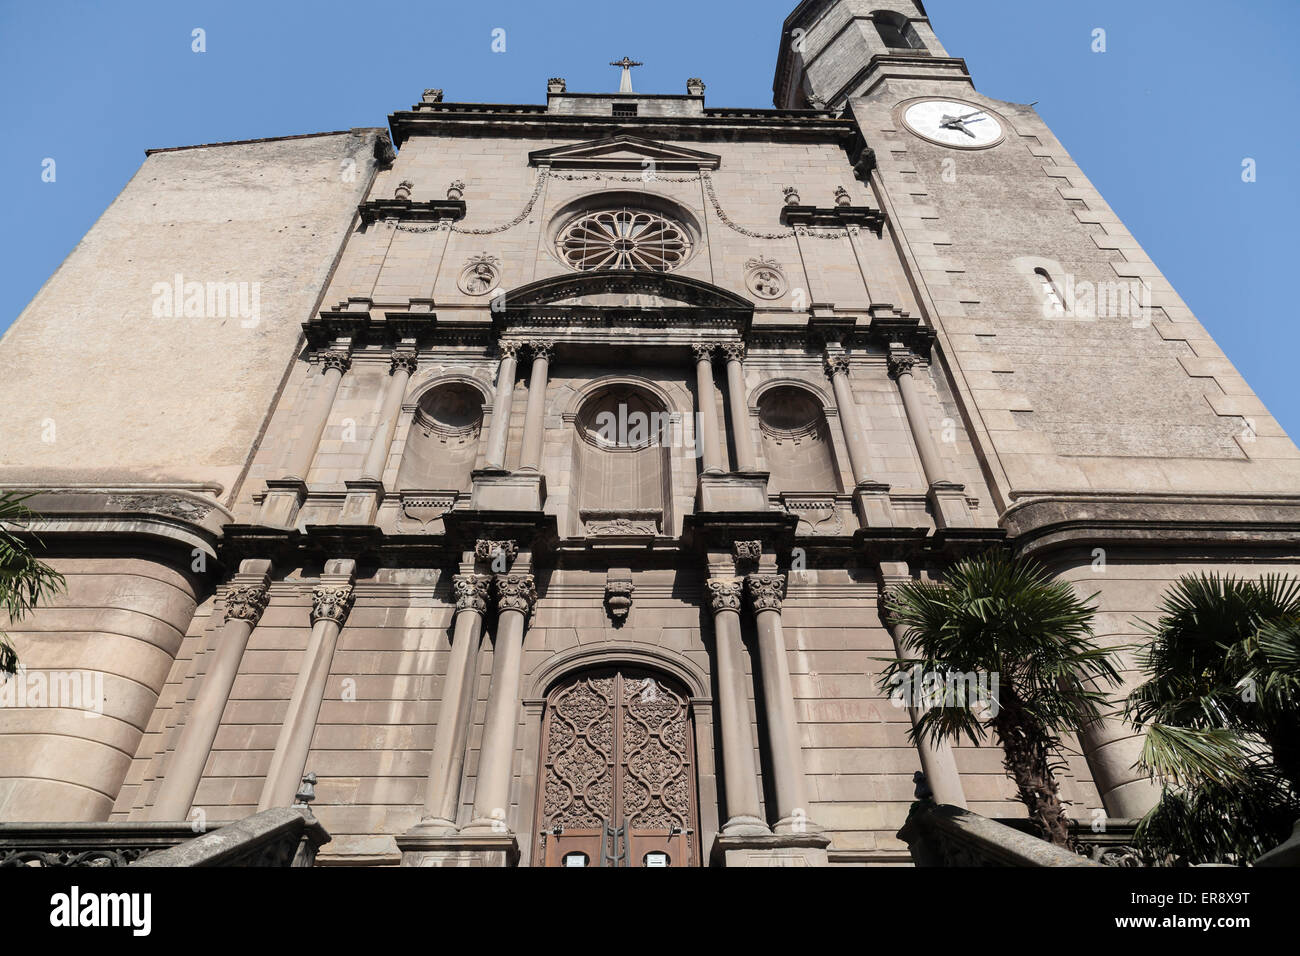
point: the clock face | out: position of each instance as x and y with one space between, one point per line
949 123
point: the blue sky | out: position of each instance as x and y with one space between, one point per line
1161 122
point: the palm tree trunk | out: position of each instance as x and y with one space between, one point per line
1027 758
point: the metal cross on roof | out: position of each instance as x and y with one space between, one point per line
625 85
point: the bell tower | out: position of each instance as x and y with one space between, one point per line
834 50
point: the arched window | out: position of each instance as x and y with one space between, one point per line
1053 304
622 470
443 441
896 31
796 442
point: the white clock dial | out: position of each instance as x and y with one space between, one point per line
953 124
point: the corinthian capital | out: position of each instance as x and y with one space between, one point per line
901 361
336 359
331 602
509 348
734 351
246 603
703 351
516 592
404 361
724 594
543 350
471 592
837 365
766 591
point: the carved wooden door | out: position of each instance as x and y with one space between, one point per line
617 773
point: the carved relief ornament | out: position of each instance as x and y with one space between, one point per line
331 602
724 594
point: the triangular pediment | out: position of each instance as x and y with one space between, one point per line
624 152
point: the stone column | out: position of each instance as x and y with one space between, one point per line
937 762
499 433
739 772
403 367
331 602
442 797
245 601
948 499
709 438
837 367
535 413
516 595
766 592
870 499
334 362
742 437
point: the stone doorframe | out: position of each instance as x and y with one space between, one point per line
613 654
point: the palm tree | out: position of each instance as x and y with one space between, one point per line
1221 712
1007 618
24 580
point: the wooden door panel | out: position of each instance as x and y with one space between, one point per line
617 751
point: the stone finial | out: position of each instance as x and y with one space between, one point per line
766 591
618 595
471 592
842 197
331 602
791 196
496 552
403 190
335 359
432 96
556 84
724 594
695 86
516 592
306 792
246 602
404 360
456 191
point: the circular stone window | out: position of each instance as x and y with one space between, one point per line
625 238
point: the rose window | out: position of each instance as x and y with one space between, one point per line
624 239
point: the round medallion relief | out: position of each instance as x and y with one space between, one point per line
481 275
764 278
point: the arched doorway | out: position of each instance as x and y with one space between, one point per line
617 772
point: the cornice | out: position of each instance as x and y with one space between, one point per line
461 119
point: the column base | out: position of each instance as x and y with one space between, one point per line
872 504
738 491
743 826
498 850
433 826
362 502
772 849
948 505
508 491
796 826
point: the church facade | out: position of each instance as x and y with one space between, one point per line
520 483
